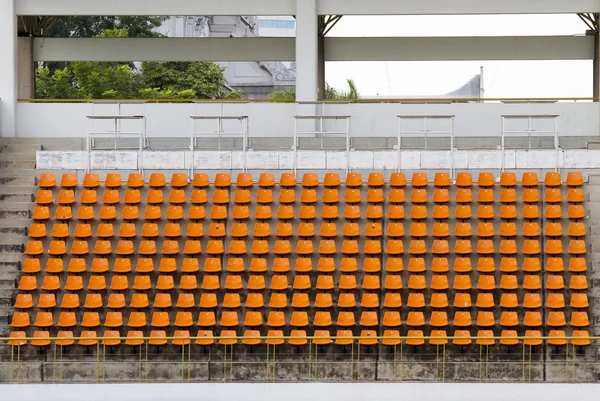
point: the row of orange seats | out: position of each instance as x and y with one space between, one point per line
299 338
304 265
307 196
278 300
284 212
298 319
328 230
306 247
439 282
266 180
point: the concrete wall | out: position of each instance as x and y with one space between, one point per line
303 392
276 120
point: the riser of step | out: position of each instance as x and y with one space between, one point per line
17 164
18 181
16 223
14 156
13 231
26 197
22 148
14 214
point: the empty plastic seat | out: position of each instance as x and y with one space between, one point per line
375 180
34 248
464 179
552 179
529 179
309 180
556 319
221 180
419 180
531 195
441 180
353 180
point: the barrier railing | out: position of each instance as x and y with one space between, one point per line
372 100
392 361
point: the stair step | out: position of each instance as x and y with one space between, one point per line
14 215
9 272
14 157
13 231
21 141
16 206
19 148
17 164
15 248
18 190
5 328
7 284
27 180
13 257
26 197
15 223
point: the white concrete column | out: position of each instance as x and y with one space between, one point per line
306 50
8 68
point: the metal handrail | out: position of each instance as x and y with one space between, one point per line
373 100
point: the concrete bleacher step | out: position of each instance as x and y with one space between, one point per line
17 164
20 148
27 180
22 141
12 246
15 157
16 223
14 214
16 197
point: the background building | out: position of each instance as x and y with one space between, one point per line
255 79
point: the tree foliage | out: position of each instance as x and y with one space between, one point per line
110 80
79 26
330 93
199 80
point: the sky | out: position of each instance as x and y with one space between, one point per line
526 79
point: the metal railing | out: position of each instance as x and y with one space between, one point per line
426 132
116 133
373 100
397 357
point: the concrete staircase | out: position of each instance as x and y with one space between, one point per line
17 191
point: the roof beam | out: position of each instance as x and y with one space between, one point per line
288 7
164 49
456 7
460 48
336 49
156 7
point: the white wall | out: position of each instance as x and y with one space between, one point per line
302 392
276 120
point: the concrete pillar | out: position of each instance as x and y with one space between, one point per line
8 68
306 50
26 68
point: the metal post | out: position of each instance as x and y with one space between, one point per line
192 146
244 142
502 148
529 131
425 131
399 166
452 168
556 145
347 145
295 146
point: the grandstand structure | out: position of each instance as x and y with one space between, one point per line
297 250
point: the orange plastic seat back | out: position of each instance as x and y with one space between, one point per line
68 180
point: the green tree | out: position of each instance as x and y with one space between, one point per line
54 86
79 26
330 93
110 80
199 80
